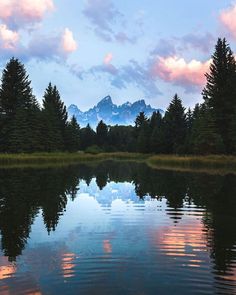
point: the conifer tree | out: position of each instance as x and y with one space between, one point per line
206 139
102 133
55 119
156 133
18 109
220 91
175 126
87 136
73 135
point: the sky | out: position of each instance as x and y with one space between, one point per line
131 50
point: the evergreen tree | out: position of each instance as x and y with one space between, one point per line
73 135
141 120
142 133
16 102
175 126
155 120
87 136
206 139
220 92
55 119
156 129
189 125
102 133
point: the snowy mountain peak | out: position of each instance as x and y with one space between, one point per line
110 113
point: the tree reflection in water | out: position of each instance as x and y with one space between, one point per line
24 192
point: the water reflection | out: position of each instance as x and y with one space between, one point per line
122 224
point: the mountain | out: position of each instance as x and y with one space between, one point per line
110 113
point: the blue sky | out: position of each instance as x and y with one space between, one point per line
129 49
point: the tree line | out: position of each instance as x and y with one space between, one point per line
209 128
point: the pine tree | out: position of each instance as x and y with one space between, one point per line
55 119
141 120
73 135
156 131
175 126
189 125
102 133
155 120
16 99
142 133
87 136
206 139
220 91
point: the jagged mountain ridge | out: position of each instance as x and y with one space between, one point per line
111 113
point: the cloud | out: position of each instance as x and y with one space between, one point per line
177 45
108 58
164 48
203 42
103 15
69 44
131 74
228 19
189 75
8 38
17 13
41 47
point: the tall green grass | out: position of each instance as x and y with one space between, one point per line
211 164
64 158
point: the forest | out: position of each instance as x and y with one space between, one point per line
208 128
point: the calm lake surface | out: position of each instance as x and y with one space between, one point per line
116 228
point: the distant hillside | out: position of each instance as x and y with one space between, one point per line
110 113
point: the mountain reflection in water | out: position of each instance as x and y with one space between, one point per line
116 228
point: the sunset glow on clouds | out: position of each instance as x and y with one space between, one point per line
228 19
108 58
180 72
24 11
155 56
8 38
68 42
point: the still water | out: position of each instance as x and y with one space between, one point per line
116 228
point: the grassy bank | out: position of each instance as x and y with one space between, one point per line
211 164
58 159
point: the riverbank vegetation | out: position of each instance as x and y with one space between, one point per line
209 128
214 164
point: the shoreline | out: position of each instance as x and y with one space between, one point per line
213 164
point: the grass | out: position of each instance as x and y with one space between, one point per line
64 158
218 164
212 164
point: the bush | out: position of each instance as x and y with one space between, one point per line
93 149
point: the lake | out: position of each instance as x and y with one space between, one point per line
116 228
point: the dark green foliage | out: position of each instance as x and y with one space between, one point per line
121 138
220 92
102 133
19 110
142 133
156 133
54 116
175 127
87 136
73 135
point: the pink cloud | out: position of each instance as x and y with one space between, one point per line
16 13
69 44
108 58
176 70
228 19
8 38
